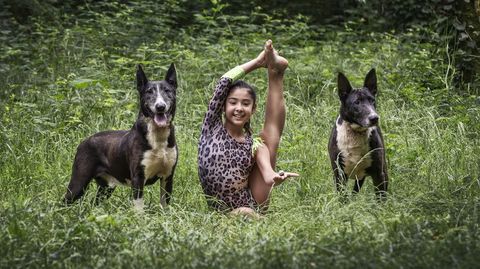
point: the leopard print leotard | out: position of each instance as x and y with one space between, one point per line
224 163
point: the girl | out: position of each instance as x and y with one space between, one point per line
231 172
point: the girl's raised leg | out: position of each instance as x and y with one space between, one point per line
272 127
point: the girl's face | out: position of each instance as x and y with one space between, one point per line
239 107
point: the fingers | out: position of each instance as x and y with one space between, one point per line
284 175
261 56
292 175
261 62
287 175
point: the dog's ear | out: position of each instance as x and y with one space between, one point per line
371 82
344 86
141 78
171 76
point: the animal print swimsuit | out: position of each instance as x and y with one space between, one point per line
224 164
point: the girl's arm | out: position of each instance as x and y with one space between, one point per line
214 113
262 157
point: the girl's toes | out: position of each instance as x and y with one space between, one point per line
268 45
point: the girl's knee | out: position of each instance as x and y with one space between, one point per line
270 138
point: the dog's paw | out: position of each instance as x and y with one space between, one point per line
138 206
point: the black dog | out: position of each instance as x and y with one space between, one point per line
356 145
137 157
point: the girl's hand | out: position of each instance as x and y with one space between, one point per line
281 176
260 61
275 63
253 64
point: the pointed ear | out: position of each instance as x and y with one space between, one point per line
371 81
344 86
171 76
141 78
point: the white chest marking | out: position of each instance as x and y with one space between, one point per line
112 182
354 149
158 161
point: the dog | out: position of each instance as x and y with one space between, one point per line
356 145
137 157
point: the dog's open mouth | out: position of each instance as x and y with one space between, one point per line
161 120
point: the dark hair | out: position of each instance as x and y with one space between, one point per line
240 84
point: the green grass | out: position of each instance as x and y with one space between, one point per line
61 84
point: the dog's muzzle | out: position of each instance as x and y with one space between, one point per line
161 120
160 116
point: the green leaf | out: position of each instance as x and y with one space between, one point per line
460 26
82 83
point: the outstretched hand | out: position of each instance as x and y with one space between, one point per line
281 176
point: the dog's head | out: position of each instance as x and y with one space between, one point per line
358 105
158 98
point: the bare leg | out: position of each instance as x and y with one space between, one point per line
274 122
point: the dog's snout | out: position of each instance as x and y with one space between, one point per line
373 119
160 107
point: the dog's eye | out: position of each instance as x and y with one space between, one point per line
149 90
357 102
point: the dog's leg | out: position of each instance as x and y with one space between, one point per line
82 174
166 190
163 193
358 185
138 182
339 178
380 182
104 191
138 198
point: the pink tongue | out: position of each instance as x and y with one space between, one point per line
160 120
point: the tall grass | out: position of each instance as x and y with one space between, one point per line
73 80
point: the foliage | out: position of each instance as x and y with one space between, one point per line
66 75
454 21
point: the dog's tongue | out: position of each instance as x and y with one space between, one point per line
160 120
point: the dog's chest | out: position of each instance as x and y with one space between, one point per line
354 149
160 160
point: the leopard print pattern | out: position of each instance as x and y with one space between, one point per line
224 164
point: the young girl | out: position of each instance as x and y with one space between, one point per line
235 175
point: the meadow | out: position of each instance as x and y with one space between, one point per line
69 76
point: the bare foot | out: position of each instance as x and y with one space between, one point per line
245 211
274 61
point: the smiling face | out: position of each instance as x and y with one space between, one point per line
239 108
